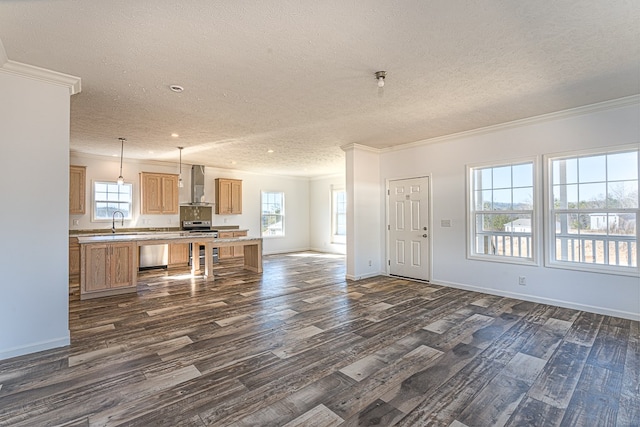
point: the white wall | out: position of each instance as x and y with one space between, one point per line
320 215
296 199
34 118
446 161
365 253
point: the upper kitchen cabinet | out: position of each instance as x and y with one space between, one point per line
158 193
228 196
77 177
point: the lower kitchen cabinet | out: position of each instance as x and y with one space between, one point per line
238 251
109 269
74 258
231 251
178 254
226 252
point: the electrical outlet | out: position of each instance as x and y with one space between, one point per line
369 263
522 281
76 222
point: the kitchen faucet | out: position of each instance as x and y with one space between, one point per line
113 222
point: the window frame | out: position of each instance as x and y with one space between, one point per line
338 239
550 214
95 201
536 225
282 214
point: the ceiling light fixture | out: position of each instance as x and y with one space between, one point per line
176 88
380 76
120 180
175 135
180 183
269 151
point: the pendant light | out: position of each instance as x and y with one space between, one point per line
180 183
380 76
120 180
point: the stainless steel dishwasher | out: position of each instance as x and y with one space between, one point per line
154 256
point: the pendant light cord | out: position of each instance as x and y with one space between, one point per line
121 153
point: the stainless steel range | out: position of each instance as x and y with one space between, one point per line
200 227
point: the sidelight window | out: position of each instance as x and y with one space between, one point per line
109 197
502 212
593 200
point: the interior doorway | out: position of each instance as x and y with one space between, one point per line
408 231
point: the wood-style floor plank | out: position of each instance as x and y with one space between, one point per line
300 346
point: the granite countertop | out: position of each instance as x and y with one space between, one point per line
145 231
178 236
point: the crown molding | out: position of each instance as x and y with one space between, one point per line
37 73
572 112
80 155
354 146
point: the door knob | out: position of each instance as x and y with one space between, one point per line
424 235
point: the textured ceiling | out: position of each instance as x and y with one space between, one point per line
297 77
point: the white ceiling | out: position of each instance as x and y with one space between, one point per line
297 76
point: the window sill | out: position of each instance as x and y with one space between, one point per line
504 260
597 268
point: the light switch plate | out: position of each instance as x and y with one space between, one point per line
445 223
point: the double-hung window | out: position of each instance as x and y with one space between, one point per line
109 197
593 200
502 214
338 215
272 213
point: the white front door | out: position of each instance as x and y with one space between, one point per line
409 234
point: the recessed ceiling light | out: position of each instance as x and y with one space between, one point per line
233 162
176 88
269 151
175 135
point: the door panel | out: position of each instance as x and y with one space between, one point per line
409 228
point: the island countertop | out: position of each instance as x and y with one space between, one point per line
158 238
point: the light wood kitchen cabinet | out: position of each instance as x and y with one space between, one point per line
178 254
228 196
74 257
231 251
238 251
109 269
159 193
77 189
227 251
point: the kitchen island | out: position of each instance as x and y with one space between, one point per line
109 263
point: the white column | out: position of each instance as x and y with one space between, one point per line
365 222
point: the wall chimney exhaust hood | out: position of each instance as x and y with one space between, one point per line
197 186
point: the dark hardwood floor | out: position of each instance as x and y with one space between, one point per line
300 346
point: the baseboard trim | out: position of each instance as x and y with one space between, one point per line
361 277
35 347
542 300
